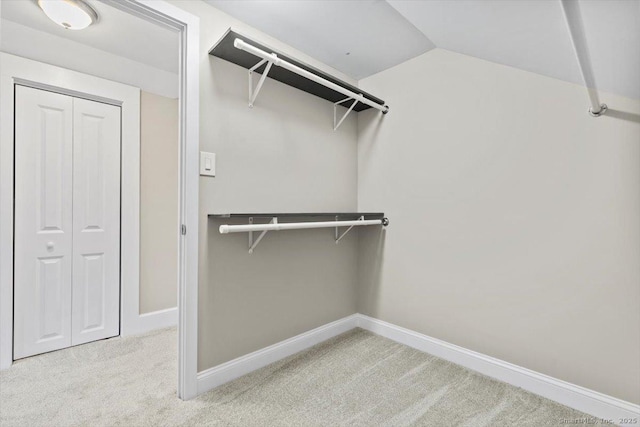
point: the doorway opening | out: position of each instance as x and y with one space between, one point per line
107 64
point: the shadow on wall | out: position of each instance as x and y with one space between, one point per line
622 115
368 118
371 245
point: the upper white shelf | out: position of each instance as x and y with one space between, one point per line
256 57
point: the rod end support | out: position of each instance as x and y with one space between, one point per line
385 221
603 109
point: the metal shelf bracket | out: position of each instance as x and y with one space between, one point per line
336 124
339 237
252 244
253 93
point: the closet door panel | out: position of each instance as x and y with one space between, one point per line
96 221
43 221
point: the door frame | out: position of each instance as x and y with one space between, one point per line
43 76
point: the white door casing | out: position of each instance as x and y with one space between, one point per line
96 221
43 221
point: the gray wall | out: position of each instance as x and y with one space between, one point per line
293 282
158 202
280 156
515 218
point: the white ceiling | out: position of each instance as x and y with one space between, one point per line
528 34
371 31
533 35
613 35
116 32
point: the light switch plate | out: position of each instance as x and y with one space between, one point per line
207 164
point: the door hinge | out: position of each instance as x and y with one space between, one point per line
183 229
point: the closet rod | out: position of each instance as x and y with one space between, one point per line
273 58
225 229
573 17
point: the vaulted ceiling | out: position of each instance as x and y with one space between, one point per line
363 37
357 37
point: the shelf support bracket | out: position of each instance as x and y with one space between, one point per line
338 238
253 93
335 107
252 244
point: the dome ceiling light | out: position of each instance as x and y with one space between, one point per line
70 14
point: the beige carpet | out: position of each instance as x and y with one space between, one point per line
356 379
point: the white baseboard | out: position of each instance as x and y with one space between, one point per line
148 322
571 395
588 401
218 375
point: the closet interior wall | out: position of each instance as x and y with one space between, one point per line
280 156
514 215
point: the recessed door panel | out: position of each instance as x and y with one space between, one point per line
43 221
91 174
96 221
50 168
94 283
50 284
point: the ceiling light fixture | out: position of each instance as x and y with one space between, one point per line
70 14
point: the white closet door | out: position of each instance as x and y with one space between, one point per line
43 221
96 221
